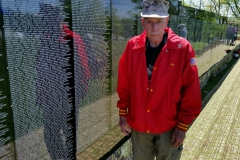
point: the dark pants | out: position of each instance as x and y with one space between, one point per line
148 146
55 132
59 132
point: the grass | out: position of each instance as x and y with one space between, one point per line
198 45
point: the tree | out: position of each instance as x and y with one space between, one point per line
222 8
172 10
234 6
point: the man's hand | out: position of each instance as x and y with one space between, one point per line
178 137
126 129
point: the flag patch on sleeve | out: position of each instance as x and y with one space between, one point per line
193 61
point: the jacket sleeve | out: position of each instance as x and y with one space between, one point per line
190 104
123 89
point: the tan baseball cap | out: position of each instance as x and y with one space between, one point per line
155 8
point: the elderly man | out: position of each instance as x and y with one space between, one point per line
158 87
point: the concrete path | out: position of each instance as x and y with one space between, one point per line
215 135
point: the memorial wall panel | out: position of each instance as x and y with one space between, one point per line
89 21
38 56
59 64
6 120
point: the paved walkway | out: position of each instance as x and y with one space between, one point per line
215 135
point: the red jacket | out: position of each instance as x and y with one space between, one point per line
172 99
81 48
81 70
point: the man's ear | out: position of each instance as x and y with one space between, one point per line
167 20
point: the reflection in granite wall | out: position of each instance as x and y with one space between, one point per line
40 79
6 119
58 78
89 20
123 28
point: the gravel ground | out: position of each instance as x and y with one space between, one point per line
215 135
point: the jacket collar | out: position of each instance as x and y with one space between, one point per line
140 41
173 41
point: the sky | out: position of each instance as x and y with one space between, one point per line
123 6
123 2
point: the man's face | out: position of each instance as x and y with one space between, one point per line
154 28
